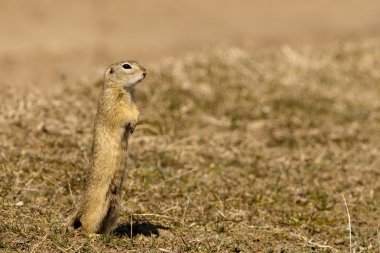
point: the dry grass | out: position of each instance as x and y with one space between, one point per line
236 151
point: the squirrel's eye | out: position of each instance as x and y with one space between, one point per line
126 66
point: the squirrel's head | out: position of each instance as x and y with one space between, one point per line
124 74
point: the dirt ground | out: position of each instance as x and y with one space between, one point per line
49 43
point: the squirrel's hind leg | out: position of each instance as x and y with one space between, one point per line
110 220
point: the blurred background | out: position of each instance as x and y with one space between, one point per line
45 43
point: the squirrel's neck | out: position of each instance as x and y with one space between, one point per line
119 92
131 92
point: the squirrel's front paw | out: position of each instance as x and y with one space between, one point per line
131 127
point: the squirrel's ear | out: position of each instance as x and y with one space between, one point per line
111 70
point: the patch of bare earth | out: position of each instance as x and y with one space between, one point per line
236 151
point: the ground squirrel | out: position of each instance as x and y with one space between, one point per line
115 120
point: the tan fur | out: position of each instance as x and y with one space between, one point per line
116 119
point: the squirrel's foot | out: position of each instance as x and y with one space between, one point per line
93 236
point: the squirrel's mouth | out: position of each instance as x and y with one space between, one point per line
143 75
136 81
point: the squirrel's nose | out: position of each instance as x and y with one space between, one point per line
144 74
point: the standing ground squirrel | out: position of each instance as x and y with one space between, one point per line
115 120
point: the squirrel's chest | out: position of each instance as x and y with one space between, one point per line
123 136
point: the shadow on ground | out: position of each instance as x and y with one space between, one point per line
144 228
